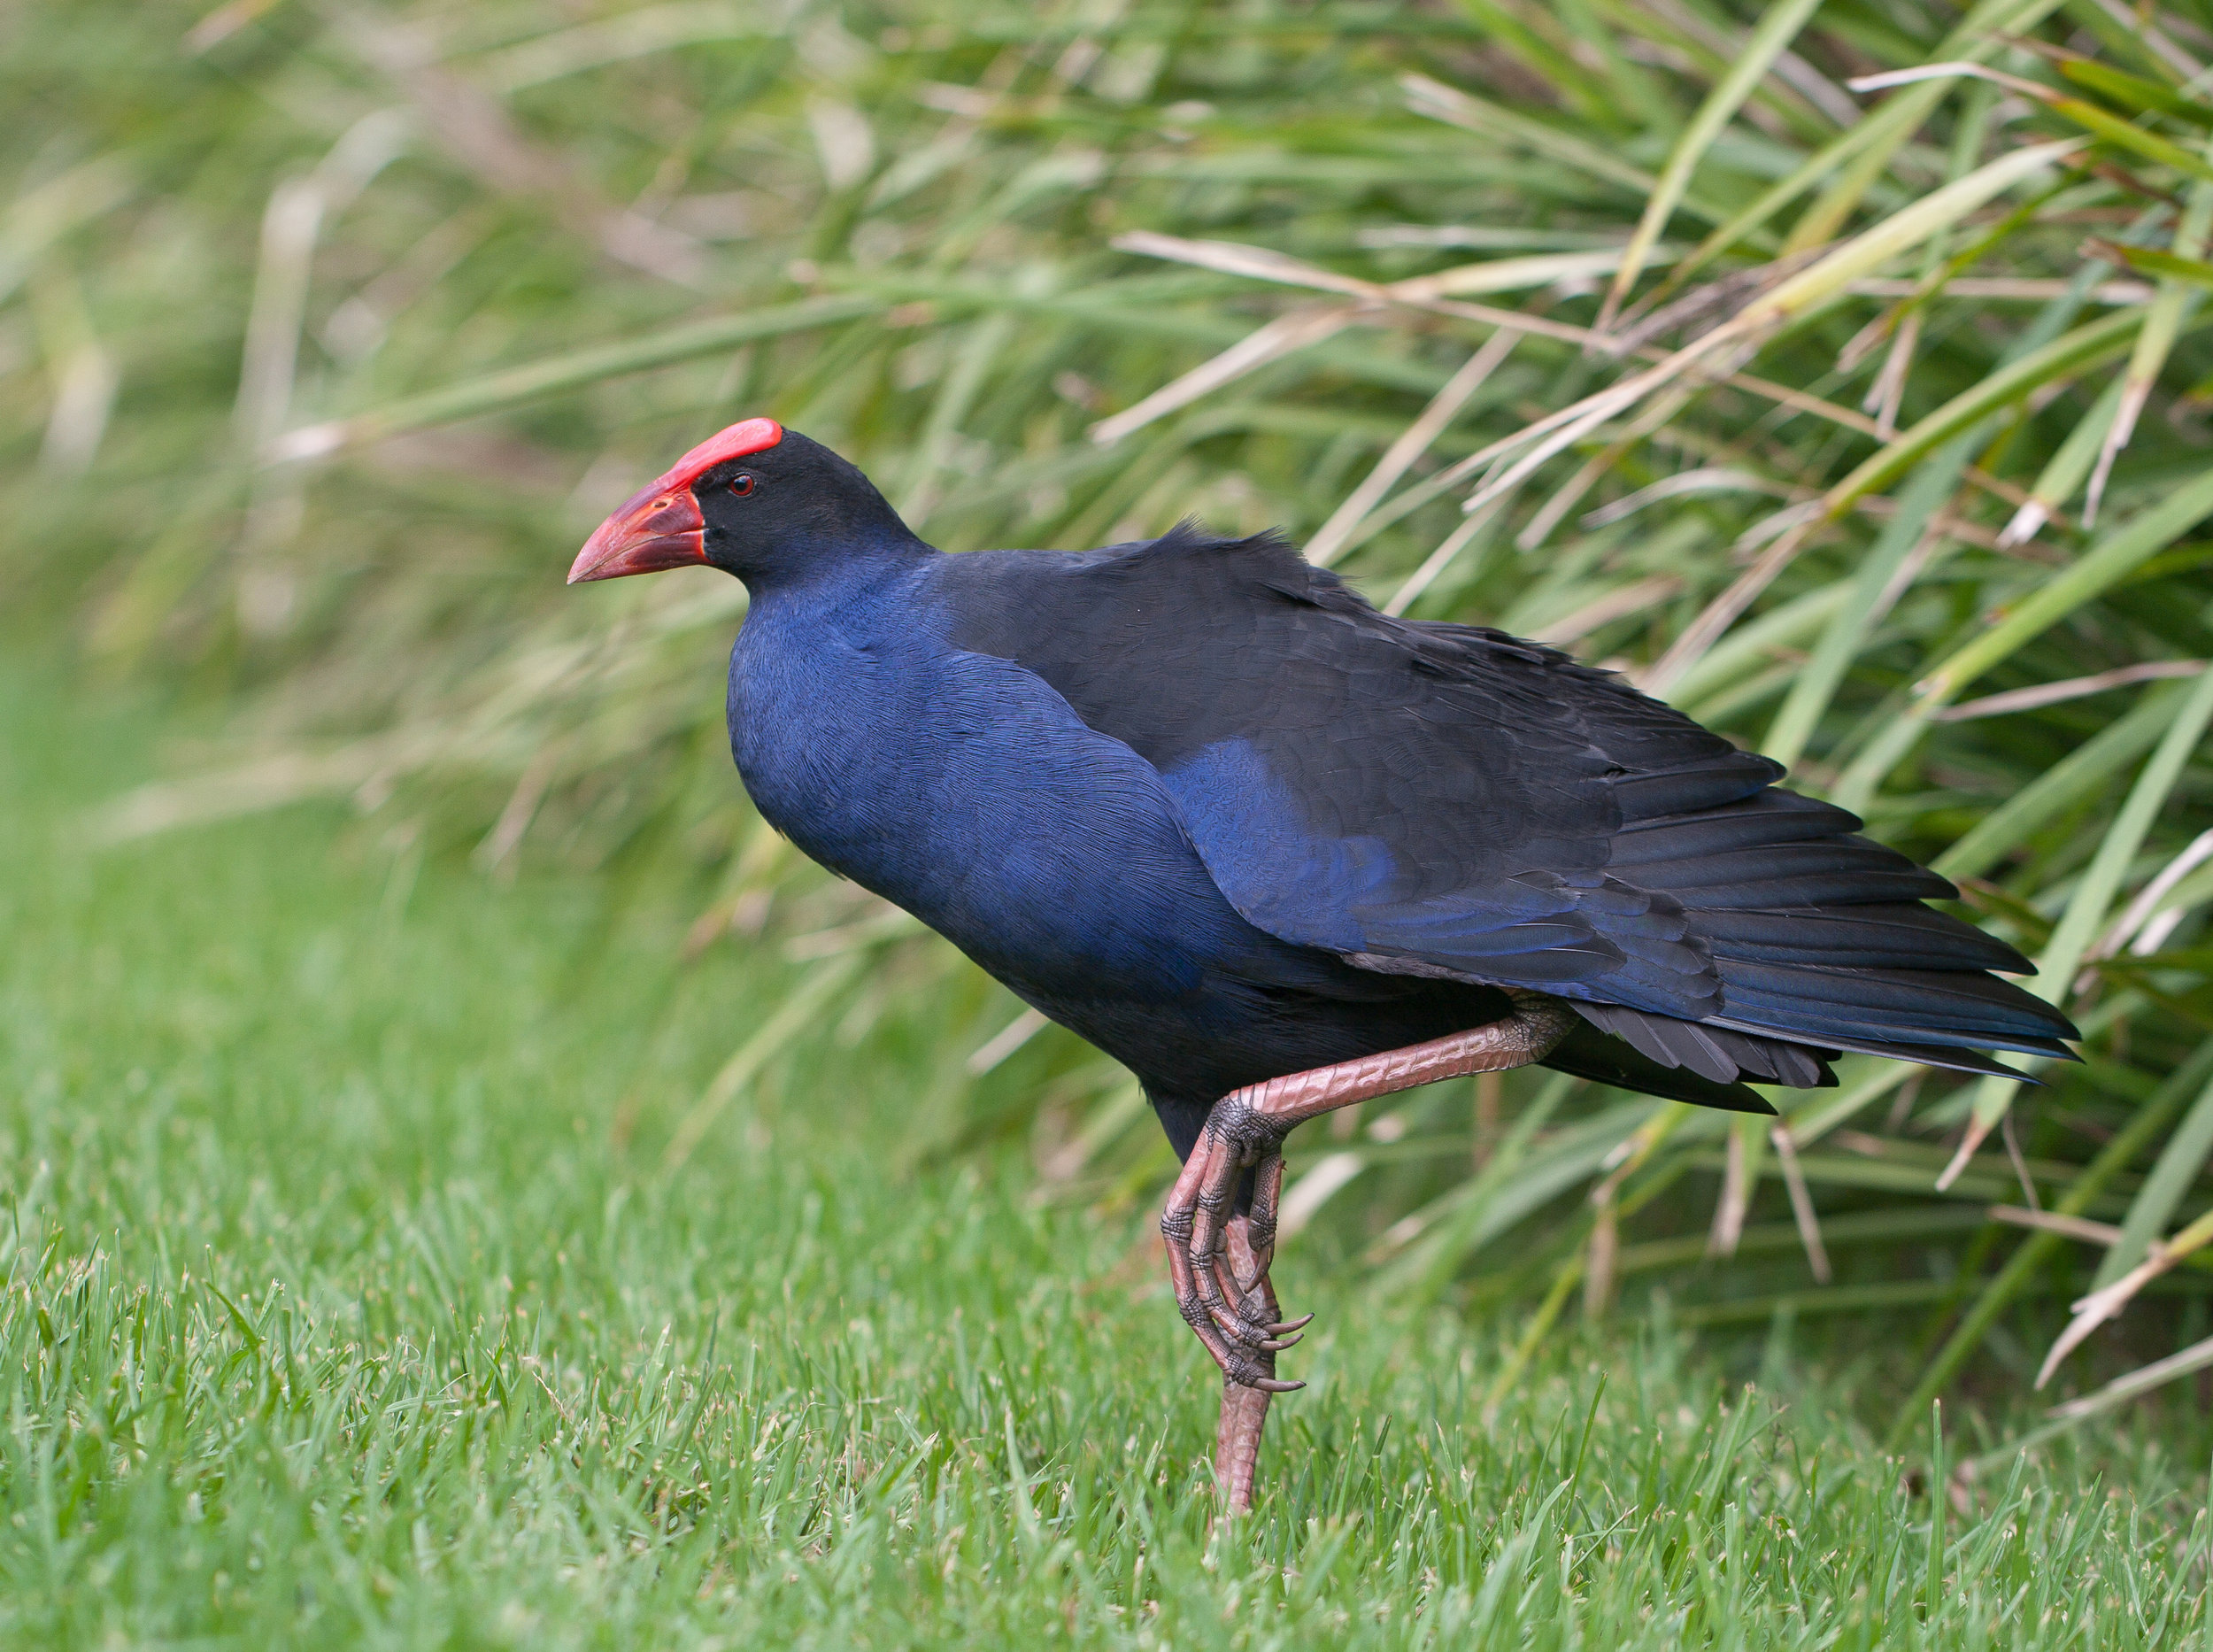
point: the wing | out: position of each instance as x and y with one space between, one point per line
1444 800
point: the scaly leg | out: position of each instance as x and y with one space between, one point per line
1226 1297
1245 1410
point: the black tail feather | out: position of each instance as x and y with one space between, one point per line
1589 1053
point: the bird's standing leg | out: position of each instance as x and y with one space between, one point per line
1245 1410
1226 1297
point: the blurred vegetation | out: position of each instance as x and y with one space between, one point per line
1866 422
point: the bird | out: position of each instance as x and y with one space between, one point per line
1276 851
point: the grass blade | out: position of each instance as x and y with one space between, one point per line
2090 768
1925 495
2146 535
2093 897
1778 28
2180 1163
1323 545
1996 1297
518 386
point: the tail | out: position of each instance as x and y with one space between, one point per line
1588 1054
1817 937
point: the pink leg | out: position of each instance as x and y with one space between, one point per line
1219 1264
1245 1410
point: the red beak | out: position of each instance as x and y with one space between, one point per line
657 528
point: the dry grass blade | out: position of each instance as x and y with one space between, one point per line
2064 472
1705 479
1802 1211
2153 345
1322 547
1280 338
2102 1305
1432 97
1434 565
2100 1234
1713 621
2196 1357
2066 689
2143 926
648 29
1421 292
1234 258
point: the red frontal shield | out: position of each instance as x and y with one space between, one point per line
659 526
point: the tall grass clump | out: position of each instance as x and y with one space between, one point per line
1836 369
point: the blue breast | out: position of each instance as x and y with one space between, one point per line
964 788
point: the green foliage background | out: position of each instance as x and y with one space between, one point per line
325 331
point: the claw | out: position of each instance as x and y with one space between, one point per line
1252 1316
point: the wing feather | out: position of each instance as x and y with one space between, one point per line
1446 800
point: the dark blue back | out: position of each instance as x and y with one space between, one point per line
963 788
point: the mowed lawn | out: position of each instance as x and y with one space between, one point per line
349 1300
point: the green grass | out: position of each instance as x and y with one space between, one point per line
348 1299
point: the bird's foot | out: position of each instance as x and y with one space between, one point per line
1220 1263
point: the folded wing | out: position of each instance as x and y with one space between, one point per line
1444 800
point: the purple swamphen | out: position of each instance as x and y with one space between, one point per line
1278 852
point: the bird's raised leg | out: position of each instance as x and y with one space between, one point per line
1227 1298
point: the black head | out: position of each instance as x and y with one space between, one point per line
755 500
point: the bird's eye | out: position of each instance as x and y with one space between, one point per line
741 485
